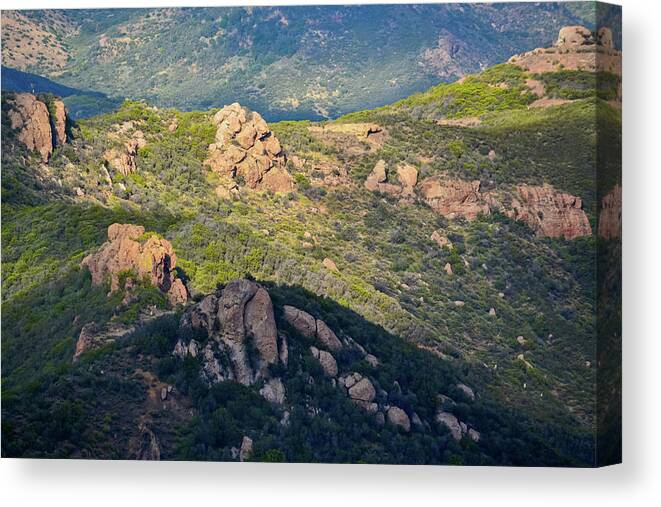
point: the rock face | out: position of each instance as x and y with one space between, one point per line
453 198
122 159
153 258
550 213
37 129
577 48
310 327
243 338
610 215
245 148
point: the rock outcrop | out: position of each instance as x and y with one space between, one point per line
152 258
577 48
310 327
243 338
407 178
610 215
550 213
246 149
123 158
38 129
455 198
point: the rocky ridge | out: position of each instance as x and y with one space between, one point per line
549 212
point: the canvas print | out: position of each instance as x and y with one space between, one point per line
385 234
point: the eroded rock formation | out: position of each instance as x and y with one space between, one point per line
123 158
243 338
126 250
38 129
245 148
550 213
577 48
407 178
455 198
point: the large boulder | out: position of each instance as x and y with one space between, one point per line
326 360
126 250
37 129
245 148
397 417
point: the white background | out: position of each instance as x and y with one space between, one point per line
636 482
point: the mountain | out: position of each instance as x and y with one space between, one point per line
80 103
286 62
415 283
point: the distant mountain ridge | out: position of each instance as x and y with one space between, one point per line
286 62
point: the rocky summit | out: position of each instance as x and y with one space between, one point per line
411 284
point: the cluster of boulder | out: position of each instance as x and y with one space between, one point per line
549 212
127 252
577 48
246 149
38 128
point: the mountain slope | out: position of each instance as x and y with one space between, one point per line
286 62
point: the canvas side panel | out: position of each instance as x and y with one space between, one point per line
609 235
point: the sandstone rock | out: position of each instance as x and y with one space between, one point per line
273 391
330 264
452 423
397 417
153 258
246 449
521 340
574 36
492 312
459 303
466 390
453 198
244 341
363 390
492 154
302 321
440 240
408 177
377 176
326 360
550 213
448 268
245 148
123 159
327 337
610 215
30 117
575 49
